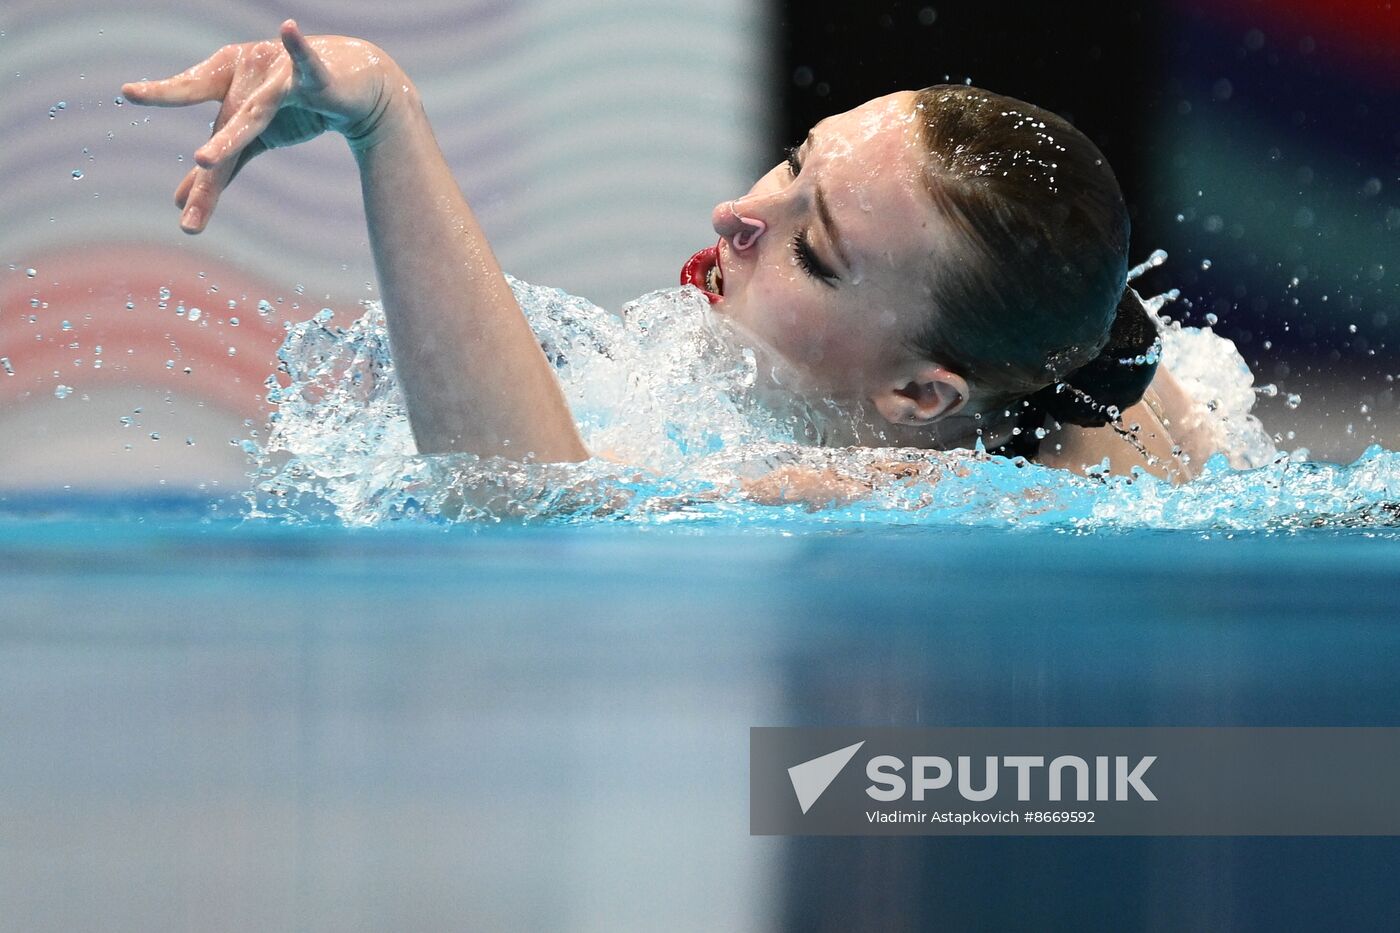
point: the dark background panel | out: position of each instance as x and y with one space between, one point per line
1257 142
1100 67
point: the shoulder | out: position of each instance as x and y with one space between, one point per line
1143 441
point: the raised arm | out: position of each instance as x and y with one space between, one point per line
473 375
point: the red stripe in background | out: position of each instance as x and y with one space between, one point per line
1362 36
90 287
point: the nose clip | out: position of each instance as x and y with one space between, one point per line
744 239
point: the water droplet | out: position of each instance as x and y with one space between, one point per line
164 293
66 325
233 321
1211 319
1153 260
155 435
62 391
169 364
232 351
1205 264
1293 400
31 272
131 306
195 314
264 307
324 315
189 442
7 366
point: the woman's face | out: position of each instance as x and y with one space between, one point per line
826 262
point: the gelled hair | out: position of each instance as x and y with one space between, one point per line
1034 287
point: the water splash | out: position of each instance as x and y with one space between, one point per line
1154 259
690 430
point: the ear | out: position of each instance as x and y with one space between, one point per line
920 396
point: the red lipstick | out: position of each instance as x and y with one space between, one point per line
697 269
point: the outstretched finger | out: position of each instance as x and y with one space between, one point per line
182 192
203 195
186 185
202 188
208 185
247 123
209 80
311 71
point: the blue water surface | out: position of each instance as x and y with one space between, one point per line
509 726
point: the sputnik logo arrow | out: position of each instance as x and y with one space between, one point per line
811 778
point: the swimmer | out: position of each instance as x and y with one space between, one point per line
949 262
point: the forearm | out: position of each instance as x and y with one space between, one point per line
473 374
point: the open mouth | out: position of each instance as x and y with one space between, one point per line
702 270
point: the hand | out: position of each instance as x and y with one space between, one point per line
807 486
828 487
274 94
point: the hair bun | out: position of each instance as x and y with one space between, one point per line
1103 388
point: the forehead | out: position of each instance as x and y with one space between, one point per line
885 129
872 169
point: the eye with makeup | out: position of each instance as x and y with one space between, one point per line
810 262
794 161
802 250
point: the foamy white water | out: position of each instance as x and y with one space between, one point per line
683 415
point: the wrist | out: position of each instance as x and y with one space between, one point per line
396 102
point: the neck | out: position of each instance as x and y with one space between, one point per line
958 431
857 423
861 425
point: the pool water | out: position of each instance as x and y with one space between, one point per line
386 691
214 722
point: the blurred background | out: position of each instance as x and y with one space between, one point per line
1258 143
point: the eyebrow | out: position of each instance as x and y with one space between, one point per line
824 213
